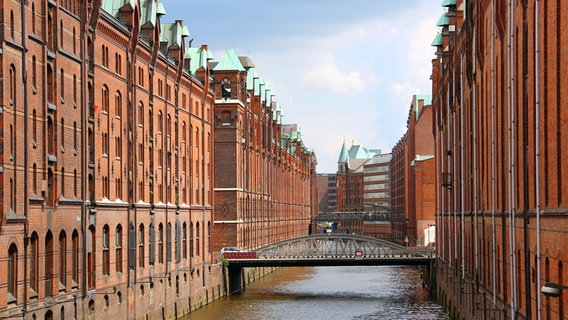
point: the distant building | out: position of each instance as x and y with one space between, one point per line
327 191
350 174
413 175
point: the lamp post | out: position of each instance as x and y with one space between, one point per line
551 289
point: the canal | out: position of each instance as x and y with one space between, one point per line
330 293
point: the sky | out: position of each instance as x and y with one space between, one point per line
344 71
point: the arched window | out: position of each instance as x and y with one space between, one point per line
33 18
75 257
118 246
34 263
160 243
49 264
141 246
191 236
62 85
91 258
118 104
106 253
12 27
34 73
197 238
105 98
13 85
169 242
61 34
63 259
177 241
13 273
63 182
184 240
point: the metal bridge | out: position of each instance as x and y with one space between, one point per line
327 250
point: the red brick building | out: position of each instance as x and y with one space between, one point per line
413 175
500 118
264 176
106 163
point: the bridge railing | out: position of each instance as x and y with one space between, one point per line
339 246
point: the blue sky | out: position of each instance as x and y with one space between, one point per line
341 70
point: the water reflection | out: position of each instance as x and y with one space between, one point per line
329 293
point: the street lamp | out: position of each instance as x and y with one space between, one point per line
551 289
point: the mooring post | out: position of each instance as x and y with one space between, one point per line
235 280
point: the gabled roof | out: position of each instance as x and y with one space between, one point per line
199 57
149 11
229 62
447 3
343 155
437 40
173 33
252 75
443 21
114 6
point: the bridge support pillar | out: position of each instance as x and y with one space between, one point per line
235 280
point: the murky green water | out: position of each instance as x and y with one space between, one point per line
330 293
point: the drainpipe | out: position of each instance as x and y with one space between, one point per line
493 237
462 171
511 169
537 152
26 153
526 219
475 199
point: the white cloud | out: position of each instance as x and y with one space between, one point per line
328 76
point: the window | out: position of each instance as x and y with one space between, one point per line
33 19
74 41
12 85
75 137
197 238
160 243
63 182
141 114
75 90
62 258
34 73
191 236
169 242
177 241
91 258
75 185
12 28
62 134
141 246
34 262
184 240
34 128
13 273
105 99
61 34
118 104
62 85
48 264
118 245
75 257
106 254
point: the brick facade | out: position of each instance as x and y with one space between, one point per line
500 118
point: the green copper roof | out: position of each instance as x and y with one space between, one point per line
148 12
160 10
427 101
229 62
198 57
113 6
252 77
443 21
173 33
343 155
437 40
447 3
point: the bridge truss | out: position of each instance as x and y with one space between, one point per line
339 246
